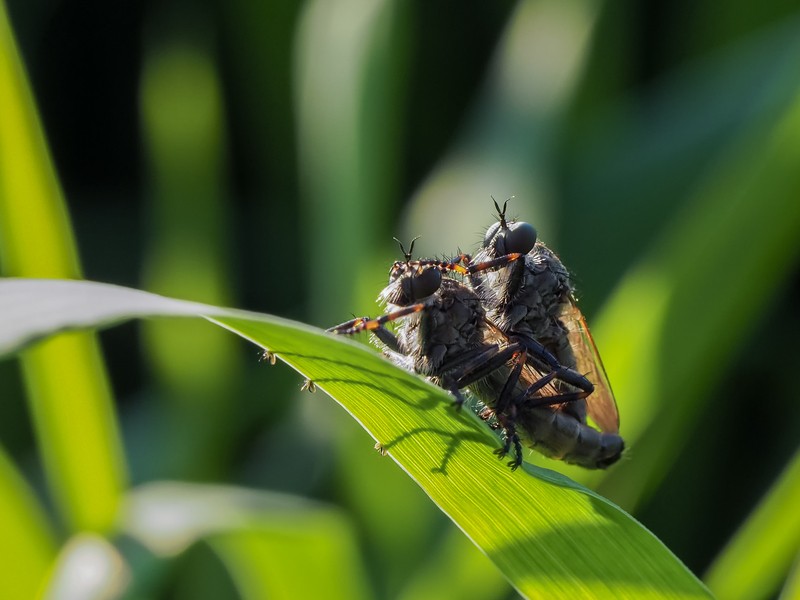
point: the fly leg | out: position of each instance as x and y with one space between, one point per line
360 324
506 413
539 353
530 399
388 338
484 364
504 409
475 369
500 261
510 438
458 263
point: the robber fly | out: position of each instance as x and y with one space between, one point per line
533 297
443 333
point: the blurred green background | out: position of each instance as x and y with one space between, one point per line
262 155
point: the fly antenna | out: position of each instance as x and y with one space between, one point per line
407 255
501 212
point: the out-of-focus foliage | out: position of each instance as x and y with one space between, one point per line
262 155
65 379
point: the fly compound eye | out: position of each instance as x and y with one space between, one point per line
520 237
424 283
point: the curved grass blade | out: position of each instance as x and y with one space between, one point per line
662 374
469 574
269 542
762 551
88 567
187 246
67 385
548 535
27 541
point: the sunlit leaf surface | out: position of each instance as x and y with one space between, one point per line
548 535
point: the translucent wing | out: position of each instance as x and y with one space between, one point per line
600 404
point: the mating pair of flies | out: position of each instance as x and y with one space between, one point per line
503 325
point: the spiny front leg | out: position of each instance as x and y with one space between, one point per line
360 324
500 261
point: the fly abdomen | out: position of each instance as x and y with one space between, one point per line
561 436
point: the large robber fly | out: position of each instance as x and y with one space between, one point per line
443 333
533 297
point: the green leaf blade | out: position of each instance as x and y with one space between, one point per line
269 542
548 535
761 553
28 541
549 540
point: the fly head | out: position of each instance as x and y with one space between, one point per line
506 237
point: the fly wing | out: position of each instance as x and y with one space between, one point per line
600 404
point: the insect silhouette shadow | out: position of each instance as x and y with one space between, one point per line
454 441
422 398
418 395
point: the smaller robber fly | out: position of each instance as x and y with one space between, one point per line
443 333
535 297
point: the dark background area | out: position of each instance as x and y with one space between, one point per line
86 63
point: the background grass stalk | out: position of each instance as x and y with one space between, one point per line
67 384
